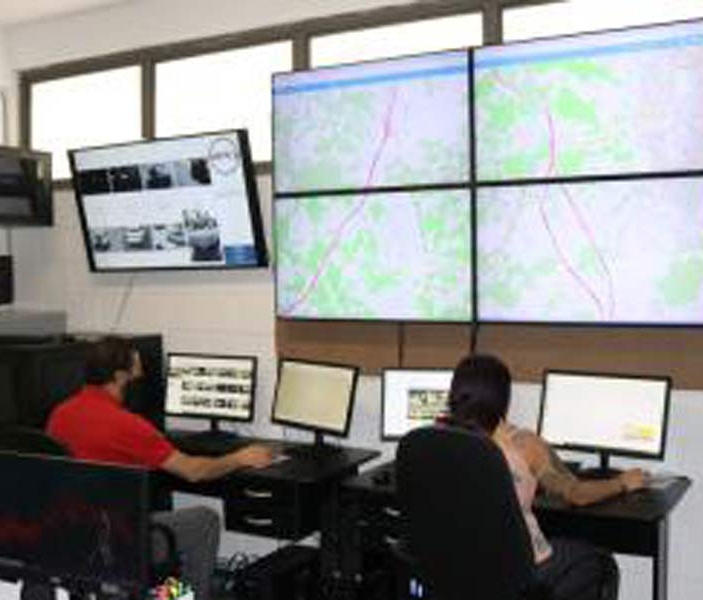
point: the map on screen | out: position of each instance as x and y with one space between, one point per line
404 256
619 102
386 123
618 252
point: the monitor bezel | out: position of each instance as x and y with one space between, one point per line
202 417
659 455
313 428
42 214
35 571
253 203
385 437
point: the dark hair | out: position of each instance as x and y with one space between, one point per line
480 392
107 356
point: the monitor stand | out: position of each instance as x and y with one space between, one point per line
318 450
602 471
216 432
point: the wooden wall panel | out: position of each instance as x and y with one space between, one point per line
371 346
432 345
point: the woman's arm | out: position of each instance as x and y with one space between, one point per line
555 478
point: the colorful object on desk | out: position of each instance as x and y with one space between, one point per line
172 589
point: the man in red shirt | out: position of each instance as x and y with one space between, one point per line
94 425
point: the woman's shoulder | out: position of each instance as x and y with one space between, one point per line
529 444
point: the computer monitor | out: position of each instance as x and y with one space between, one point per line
605 413
412 398
188 202
315 396
74 522
208 386
26 191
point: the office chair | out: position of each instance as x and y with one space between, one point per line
30 441
466 535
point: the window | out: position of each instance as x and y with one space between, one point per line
221 90
589 15
85 110
396 40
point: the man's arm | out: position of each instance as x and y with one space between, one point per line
206 468
555 478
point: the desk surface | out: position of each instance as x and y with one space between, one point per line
646 505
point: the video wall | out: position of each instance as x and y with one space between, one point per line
552 181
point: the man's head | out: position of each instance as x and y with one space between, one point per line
113 361
480 392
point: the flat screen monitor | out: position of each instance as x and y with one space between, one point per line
187 202
609 414
598 252
412 398
386 123
211 387
315 396
594 104
402 256
78 522
26 192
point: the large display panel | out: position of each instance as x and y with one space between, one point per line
315 396
618 414
395 122
211 387
621 252
26 191
618 102
386 256
178 203
412 398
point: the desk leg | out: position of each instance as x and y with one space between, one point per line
660 578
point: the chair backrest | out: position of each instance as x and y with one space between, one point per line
27 440
465 528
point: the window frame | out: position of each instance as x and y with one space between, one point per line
298 33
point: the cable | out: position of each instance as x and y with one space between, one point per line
123 303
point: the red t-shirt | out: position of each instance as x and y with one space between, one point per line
93 425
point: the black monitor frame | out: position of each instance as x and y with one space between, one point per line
253 201
214 420
604 452
42 203
394 438
318 431
80 474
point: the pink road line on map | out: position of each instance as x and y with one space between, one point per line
353 212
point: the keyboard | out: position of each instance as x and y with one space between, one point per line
208 443
311 453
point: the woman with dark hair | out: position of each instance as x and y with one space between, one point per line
479 397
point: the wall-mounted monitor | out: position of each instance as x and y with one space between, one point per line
188 202
212 387
375 256
26 192
605 413
412 398
387 123
595 104
599 252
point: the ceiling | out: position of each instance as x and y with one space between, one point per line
23 11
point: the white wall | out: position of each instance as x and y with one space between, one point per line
233 311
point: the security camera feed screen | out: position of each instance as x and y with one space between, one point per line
413 398
211 386
593 411
25 186
383 123
173 203
615 102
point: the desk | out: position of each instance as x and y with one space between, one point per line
636 523
288 500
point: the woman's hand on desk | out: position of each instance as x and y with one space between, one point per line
255 456
633 479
